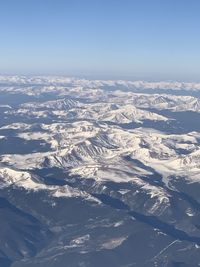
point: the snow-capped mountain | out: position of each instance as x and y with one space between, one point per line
91 169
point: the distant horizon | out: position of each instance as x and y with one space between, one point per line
131 78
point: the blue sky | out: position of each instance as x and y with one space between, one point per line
133 39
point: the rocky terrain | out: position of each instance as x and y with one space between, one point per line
99 173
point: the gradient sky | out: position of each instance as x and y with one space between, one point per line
133 39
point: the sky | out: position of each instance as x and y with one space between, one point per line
130 39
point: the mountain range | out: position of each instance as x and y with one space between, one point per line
99 173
